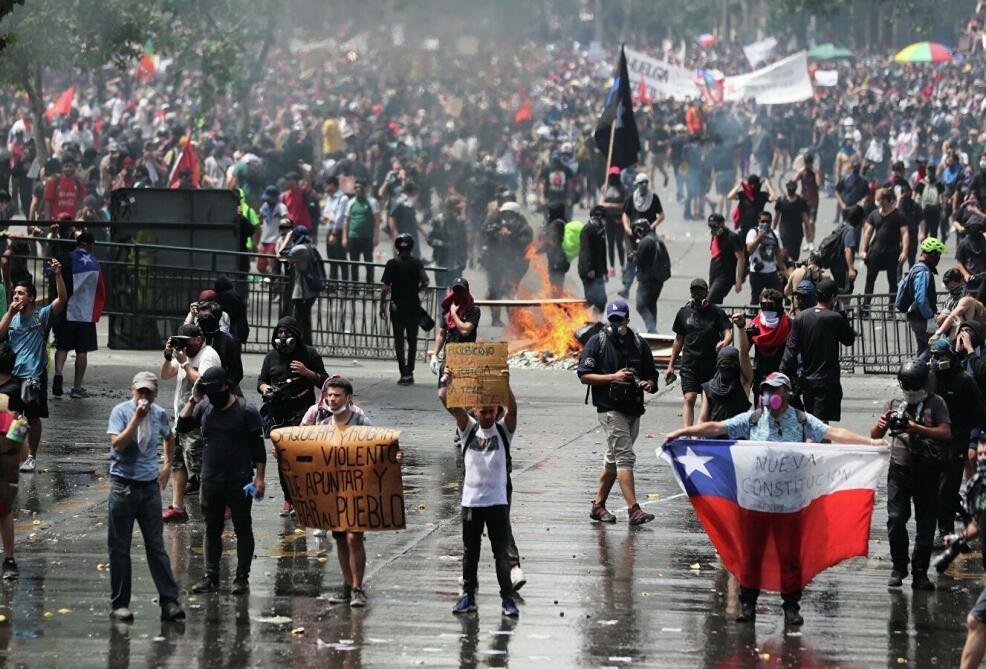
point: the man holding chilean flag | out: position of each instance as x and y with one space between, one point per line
778 513
616 133
76 330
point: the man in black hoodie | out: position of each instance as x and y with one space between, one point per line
235 307
592 258
550 244
289 382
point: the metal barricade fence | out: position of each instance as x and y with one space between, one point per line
146 302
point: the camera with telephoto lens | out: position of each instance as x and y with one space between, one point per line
898 421
957 544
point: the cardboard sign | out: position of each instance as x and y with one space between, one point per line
476 379
342 479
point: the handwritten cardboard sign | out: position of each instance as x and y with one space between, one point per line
342 479
476 379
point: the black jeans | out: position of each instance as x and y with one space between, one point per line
761 280
361 249
917 484
334 251
138 501
949 501
405 329
302 312
615 244
214 497
873 269
719 287
512 551
749 596
496 520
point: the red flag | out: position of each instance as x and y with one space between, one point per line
642 96
62 104
188 159
146 69
524 112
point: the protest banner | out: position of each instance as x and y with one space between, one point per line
344 479
783 82
476 380
826 78
760 51
777 511
663 80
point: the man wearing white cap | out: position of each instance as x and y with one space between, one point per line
774 420
136 427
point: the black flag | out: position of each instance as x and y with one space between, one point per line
619 111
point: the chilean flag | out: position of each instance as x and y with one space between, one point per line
779 513
88 289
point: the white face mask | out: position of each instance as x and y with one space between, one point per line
338 411
915 396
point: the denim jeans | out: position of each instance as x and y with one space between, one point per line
215 496
496 520
137 501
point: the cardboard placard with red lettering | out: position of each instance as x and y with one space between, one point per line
344 479
476 380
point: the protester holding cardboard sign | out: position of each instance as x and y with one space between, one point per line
485 443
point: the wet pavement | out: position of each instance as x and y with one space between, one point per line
596 595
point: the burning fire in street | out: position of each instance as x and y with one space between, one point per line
546 328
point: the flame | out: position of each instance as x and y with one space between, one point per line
547 328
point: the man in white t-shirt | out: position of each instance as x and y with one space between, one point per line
485 443
766 260
186 357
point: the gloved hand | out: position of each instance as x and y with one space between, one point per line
433 363
250 490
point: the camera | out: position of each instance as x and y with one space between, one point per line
178 342
897 421
957 545
756 264
753 331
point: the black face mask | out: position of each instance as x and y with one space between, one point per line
729 374
218 398
209 324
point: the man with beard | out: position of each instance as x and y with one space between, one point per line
921 288
727 265
642 204
289 380
700 329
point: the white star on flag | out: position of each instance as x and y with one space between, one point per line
694 463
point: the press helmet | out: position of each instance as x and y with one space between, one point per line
913 375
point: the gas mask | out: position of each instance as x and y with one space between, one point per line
700 300
771 400
281 344
209 324
716 229
942 364
619 328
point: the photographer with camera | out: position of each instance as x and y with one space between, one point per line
920 428
186 357
618 367
766 258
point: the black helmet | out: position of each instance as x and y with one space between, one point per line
913 375
404 242
640 227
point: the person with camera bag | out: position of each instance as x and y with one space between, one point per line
766 258
974 508
920 428
618 367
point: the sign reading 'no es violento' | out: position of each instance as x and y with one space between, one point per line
344 479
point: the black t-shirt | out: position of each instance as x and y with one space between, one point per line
700 330
405 219
557 182
230 438
725 264
749 209
453 336
972 254
792 214
404 274
650 213
816 335
887 234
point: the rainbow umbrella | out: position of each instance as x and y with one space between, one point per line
924 52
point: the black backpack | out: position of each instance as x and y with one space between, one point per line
830 248
315 275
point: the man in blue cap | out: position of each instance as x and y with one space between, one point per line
804 297
618 367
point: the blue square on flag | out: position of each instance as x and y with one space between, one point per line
705 467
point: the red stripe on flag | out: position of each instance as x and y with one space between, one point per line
783 552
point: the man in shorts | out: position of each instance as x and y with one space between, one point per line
27 327
77 331
700 329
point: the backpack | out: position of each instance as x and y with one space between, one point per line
663 262
756 414
905 289
831 246
571 240
315 274
502 431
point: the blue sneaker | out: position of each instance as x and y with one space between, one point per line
466 604
510 608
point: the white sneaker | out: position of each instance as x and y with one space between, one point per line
29 465
517 579
122 613
319 533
